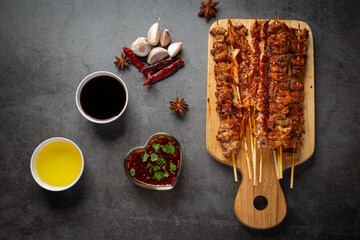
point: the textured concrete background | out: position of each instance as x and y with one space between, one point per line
47 47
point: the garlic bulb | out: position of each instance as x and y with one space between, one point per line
174 48
154 33
141 47
165 38
157 54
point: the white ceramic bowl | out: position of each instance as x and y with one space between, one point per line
82 84
33 164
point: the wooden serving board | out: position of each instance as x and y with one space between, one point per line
270 188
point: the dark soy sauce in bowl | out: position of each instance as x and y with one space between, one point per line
103 97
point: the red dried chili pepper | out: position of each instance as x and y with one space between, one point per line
158 66
135 60
165 72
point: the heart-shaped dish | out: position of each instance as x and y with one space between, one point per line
157 164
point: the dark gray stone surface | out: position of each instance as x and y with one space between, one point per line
47 47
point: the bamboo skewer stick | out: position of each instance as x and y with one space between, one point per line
254 162
278 162
253 148
247 157
234 167
234 164
276 165
292 171
245 141
260 171
251 131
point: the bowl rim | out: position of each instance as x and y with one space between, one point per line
149 186
33 164
86 80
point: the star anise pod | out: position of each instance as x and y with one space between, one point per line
121 62
178 105
208 9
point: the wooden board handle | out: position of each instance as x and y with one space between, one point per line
250 200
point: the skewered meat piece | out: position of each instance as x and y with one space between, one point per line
274 120
229 131
287 52
297 42
241 71
255 31
278 108
261 106
219 50
224 89
229 136
218 33
298 61
239 112
255 34
224 102
278 123
222 72
277 27
236 31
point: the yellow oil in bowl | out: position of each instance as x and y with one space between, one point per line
59 164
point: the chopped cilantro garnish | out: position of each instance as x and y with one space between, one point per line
145 156
154 157
168 148
156 168
148 165
171 148
159 175
132 172
166 174
172 167
156 147
165 149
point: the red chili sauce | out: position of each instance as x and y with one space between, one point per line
144 173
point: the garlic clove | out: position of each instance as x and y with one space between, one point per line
141 47
157 54
154 33
174 48
165 38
